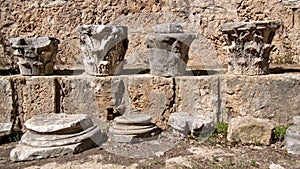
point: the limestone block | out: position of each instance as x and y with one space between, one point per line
147 94
200 95
197 125
273 97
33 95
6 101
36 55
292 139
103 47
250 130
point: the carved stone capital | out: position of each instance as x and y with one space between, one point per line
168 50
35 55
103 48
249 46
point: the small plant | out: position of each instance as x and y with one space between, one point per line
279 133
220 134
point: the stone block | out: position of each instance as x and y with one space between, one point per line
32 95
200 95
197 125
292 139
250 130
273 96
6 101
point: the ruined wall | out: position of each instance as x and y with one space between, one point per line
60 19
221 97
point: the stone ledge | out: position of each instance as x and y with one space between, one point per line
222 97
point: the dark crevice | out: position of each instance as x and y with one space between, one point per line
57 89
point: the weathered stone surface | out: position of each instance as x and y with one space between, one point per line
55 135
133 118
292 139
249 46
272 97
7 114
183 123
5 130
296 120
127 131
168 52
59 123
36 55
201 95
103 47
93 133
250 130
136 127
32 96
167 28
24 153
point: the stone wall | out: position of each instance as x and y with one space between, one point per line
60 19
221 97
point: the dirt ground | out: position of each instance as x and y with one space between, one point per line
175 153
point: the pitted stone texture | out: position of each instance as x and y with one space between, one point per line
249 46
250 130
296 120
103 47
133 118
197 125
136 127
56 135
168 52
274 96
33 95
201 95
7 114
167 28
58 123
292 139
36 55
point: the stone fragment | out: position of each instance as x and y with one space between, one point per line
53 140
59 123
23 152
103 47
249 46
292 139
135 128
133 119
168 51
250 130
5 130
183 123
296 120
55 135
36 55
